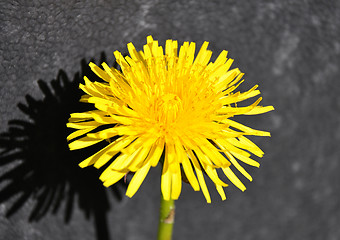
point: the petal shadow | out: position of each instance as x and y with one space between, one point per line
45 169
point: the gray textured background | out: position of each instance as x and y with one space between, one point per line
290 48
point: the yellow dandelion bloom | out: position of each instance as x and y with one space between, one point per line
172 108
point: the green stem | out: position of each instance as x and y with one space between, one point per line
166 219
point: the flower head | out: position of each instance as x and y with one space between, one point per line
172 108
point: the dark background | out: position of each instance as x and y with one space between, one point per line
290 48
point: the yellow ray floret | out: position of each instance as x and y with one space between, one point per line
169 107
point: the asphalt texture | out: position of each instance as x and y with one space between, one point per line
290 48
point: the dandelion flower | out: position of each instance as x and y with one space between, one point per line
172 108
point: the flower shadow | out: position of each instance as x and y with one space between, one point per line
45 170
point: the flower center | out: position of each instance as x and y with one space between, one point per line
167 108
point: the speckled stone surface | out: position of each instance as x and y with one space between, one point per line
290 48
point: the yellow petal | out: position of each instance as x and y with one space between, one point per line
83 125
200 176
78 133
99 72
137 180
238 110
103 156
140 158
123 161
245 159
78 117
115 148
244 146
83 142
166 180
250 145
210 151
112 132
189 173
222 57
113 177
233 178
238 166
221 192
226 78
226 146
156 152
176 181
260 110
246 129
